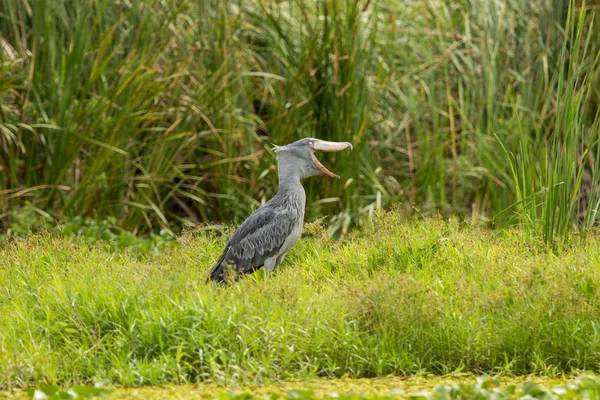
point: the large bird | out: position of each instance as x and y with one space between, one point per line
268 233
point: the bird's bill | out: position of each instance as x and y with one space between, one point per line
322 145
323 169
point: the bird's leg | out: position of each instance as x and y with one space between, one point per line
270 265
279 260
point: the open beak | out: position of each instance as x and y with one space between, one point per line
322 145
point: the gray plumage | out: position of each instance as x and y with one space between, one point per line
267 234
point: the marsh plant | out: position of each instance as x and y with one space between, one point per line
162 114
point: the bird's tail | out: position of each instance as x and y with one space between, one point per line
218 272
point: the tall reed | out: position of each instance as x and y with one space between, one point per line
164 116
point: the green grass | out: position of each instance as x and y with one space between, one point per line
442 388
101 116
401 297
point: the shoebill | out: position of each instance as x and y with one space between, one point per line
268 233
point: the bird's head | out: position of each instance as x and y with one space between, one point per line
298 158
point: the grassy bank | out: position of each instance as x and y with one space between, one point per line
398 298
416 388
485 109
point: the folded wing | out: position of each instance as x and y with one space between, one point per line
260 237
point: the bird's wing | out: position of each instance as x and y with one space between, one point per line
259 237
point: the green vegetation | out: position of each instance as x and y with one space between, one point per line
125 123
161 114
586 386
396 298
45 392
27 218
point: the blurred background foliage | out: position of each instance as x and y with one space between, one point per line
159 114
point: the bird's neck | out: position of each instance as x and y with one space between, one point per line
289 175
289 181
292 193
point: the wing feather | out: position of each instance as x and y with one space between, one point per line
259 237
